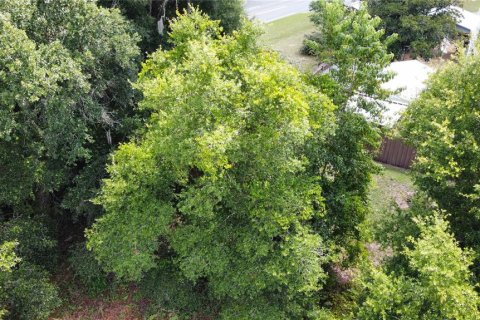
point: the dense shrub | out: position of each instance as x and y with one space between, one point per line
87 271
430 278
8 260
28 293
168 290
36 243
26 290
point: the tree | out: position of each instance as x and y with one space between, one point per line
228 12
421 25
351 43
434 285
443 127
145 15
65 68
216 184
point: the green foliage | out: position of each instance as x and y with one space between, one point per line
345 165
65 68
27 293
398 224
352 42
421 25
87 271
217 185
167 289
145 13
8 259
228 12
36 244
25 290
140 13
443 127
434 285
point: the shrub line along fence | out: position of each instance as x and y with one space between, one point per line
396 153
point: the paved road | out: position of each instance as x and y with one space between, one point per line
269 10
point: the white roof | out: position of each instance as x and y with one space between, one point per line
410 77
468 20
354 4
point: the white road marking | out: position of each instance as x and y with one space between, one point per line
272 10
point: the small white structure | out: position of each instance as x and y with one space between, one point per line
410 78
468 22
353 4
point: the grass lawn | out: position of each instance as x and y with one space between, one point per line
286 36
393 184
471 5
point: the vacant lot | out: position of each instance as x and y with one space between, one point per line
286 36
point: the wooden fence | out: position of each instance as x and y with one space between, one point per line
396 153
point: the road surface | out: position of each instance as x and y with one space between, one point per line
270 10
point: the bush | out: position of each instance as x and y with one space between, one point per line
87 271
28 293
8 260
166 289
36 243
435 282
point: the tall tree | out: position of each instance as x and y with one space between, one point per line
216 185
65 68
421 25
443 126
351 43
435 283
146 15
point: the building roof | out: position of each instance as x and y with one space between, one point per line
354 4
410 78
468 21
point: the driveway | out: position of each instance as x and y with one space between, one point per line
270 10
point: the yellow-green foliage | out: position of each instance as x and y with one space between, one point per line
218 180
8 259
444 126
434 285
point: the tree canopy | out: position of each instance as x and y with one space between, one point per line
221 182
65 69
66 99
443 125
352 44
146 14
217 183
435 284
421 25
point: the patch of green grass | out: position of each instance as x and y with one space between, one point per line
286 36
392 185
471 5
